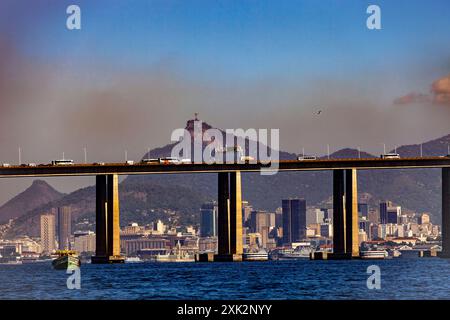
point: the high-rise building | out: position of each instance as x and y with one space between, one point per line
48 233
294 220
64 227
326 230
259 220
424 218
383 211
393 214
314 216
84 241
246 211
363 209
326 214
208 220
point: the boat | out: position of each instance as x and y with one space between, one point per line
176 255
374 254
133 260
300 252
260 255
66 259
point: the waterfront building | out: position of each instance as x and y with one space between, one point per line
207 244
133 246
48 238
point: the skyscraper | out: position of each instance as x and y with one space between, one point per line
208 220
393 214
294 220
363 209
48 233
383 211
64 227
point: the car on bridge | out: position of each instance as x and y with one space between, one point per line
6 165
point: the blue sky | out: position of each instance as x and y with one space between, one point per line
240 38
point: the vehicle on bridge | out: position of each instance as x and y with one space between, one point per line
306 158
149 161
62 162
169 160
247 158
99 163
390 156
6 165
234 152
130 162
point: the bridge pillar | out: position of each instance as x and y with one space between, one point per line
235 214
445 213
107 220
339 225
223 222
351 213
345 214
229 217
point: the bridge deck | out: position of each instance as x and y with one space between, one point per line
285 165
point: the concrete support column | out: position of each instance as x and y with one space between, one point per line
445 213
235 213
100 217
229 217
339 225
113 216
351 213
107 220
223 215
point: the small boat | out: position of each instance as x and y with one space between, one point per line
133 260
374 254
260 255
66 259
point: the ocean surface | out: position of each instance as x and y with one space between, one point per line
425 278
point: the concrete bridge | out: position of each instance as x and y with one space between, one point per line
345 211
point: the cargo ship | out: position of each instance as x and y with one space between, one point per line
66 259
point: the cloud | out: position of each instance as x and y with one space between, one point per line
441 90
439 94
413 97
